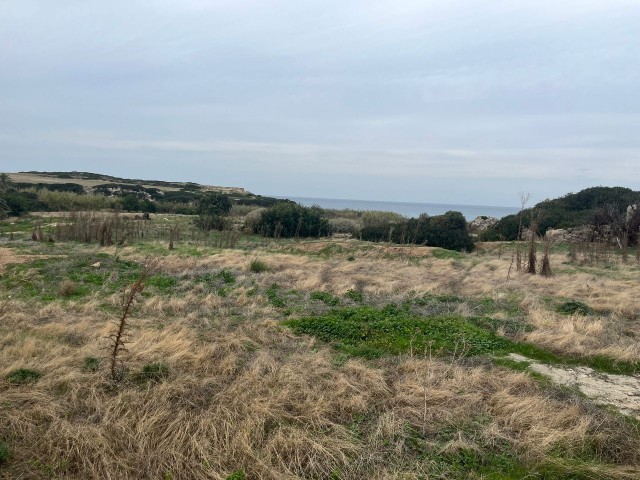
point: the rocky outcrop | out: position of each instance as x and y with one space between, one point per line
480 224
571 235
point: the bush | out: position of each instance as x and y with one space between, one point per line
289 219
22 376
325 297
354 295
211 209
447 231
345 225
376 218
573 307
91 364
258 266
67 288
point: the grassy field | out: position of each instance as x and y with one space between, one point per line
326 359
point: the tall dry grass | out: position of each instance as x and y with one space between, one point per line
251 395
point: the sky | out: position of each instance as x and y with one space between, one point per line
451 101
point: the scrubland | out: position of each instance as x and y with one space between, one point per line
324 359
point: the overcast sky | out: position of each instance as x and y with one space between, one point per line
450 101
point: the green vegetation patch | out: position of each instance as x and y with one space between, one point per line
22 376
443 254
4 453
325 297
91 364
71 277
258 266
153 372
370 332
573 307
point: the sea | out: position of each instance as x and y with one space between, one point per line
408 209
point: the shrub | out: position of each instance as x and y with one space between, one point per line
376 218
211 209
345 225
573 307
354 295
325 297
258 266
91 364
22 376
67 288
252 219
289 219
447 231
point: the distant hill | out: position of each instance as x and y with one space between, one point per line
53 191
89 180
587 207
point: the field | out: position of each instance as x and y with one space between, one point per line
324 359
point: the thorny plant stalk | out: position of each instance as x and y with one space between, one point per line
129 296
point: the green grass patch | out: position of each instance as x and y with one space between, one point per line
369 332
71 277
91 364
258 266
273 296
573 307
443 254
325 297
237 475
153 372
4 453
162 283
22 376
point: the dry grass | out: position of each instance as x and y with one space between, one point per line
248 394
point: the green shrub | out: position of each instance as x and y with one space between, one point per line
448 231
289 219
325 297
22 376
573 307
212 209
227 276
354 295
4 453
258 266
91 364
154 372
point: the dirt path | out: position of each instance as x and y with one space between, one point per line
621 391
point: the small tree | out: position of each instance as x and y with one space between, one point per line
5 182
289 219
211 209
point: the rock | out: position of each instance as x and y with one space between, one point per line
482 223
570 235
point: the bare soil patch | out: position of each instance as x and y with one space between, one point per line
620 391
